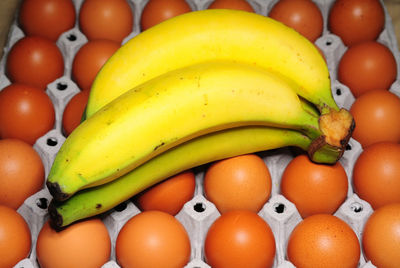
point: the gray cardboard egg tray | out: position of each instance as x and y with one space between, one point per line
198 214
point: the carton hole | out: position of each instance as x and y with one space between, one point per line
52 141
338 91
71 37
61 86
42 203
328 42
121 207
199 207
356 207
279 208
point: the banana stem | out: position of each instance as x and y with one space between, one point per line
337 128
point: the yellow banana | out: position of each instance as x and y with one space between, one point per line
176 107
196 152
206 35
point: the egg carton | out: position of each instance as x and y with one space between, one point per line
198 214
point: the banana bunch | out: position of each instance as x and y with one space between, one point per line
197 88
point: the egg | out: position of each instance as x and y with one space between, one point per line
46 18
238 239
83 244
381 237
26 113
231 4
34 61
73 111
356 21
367 66
376 116
157 11
169 195
314 188
89 59
302 15
323 240
104 19
15 237
376 174
153 239
21 172
241 182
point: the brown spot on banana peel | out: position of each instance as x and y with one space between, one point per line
55 190
158 146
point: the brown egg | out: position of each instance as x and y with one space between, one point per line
74 110
82 244
376 115
302 15
367 66
314 188
157 11
231 4
34 61
169 195
241 182
15 237
376 174
105 19
356 21
153 239
323 240
89 59
46 18
238 239
21 172
26 113
381 237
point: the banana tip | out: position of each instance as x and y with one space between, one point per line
55 190
321 151
56 220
